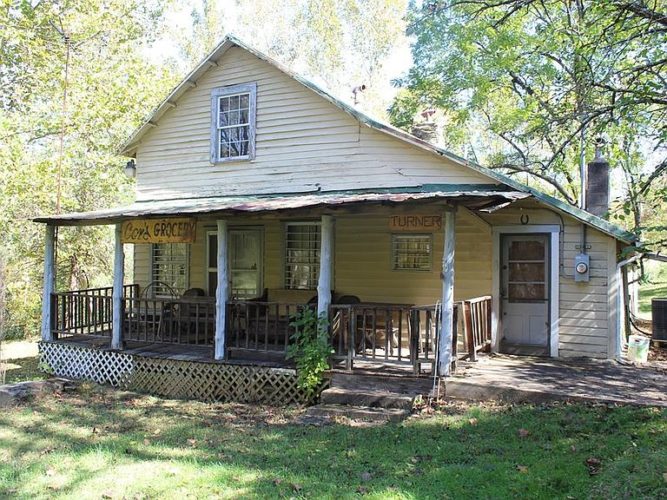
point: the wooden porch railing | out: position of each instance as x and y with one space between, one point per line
260 326
188 320
371 332
477 325
386 333
85 312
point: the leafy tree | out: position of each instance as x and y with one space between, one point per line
338 44
74 83
533 82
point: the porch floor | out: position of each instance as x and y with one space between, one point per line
204 353
523 378
181 352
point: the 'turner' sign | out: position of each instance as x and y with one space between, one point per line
415 222
178 230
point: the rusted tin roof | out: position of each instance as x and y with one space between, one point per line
284 202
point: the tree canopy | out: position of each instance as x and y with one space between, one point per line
525 85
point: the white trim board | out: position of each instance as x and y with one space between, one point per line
554 280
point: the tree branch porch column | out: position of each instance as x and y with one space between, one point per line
49 281
221 293
326 253
447 316
117 293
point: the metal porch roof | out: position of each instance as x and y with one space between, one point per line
279 202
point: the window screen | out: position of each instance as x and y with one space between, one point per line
527 271
411 252
302 255
170 268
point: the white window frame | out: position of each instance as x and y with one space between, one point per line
285 229
396 236
187 267
229 91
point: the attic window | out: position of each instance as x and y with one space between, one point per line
233 112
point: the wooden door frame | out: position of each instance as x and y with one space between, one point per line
553 231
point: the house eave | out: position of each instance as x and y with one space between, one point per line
253 204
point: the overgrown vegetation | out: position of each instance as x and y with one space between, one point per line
101 443
310 349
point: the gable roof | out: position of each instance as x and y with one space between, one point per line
211 61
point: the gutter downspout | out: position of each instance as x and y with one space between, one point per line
620 305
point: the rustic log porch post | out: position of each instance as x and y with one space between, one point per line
221 293
447 317
49 281
324 281
117 294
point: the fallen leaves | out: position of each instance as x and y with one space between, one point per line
523 469
523 433
473 421
594 465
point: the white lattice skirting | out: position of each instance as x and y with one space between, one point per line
206 381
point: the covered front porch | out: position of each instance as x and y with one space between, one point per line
379 267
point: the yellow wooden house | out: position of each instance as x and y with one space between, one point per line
258 194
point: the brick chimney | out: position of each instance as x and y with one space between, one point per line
597 187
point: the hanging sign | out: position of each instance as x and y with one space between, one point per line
173 230
415 223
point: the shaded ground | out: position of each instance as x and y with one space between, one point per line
594 380
100 443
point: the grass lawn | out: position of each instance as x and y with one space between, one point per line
657 288
99 443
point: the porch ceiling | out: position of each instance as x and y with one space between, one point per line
471 195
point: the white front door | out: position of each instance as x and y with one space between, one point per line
524 293
244 259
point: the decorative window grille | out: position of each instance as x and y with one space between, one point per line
233 134
412 252
302 255
170 267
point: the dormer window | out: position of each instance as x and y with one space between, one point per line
233 111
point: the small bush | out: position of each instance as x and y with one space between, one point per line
310 349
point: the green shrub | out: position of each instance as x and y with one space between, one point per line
310 349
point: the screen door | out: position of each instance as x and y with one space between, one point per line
525 294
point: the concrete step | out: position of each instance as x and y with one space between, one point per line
395 384
360 397
358 412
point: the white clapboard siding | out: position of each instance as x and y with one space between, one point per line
362 259
303 143
584 324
